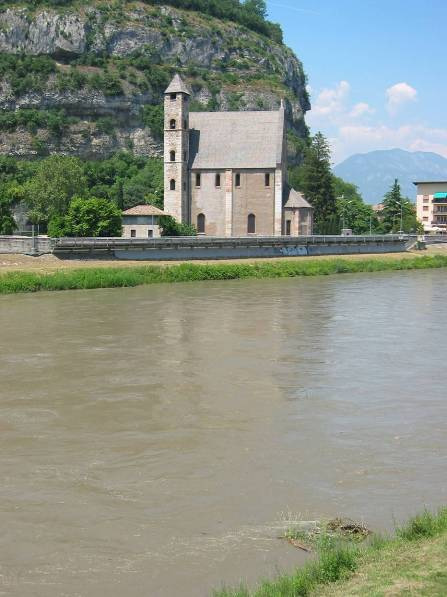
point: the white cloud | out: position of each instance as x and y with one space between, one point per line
361 109
331 101
399 94
353 138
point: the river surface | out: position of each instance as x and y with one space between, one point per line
153 440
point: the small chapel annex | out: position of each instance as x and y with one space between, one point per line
226 172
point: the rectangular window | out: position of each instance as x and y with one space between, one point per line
267 179
288 227
150 233
426 198
198 180
425 208
217 180
133 233
238 180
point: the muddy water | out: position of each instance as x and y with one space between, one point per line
150 438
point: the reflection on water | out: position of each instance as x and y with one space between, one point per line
150 437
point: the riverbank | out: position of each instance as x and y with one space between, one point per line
119 277
412 562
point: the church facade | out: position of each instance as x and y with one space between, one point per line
226 172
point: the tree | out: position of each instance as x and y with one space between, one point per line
398 213
50 190
256 7
170 227
88 217
354 212
7 222
316 183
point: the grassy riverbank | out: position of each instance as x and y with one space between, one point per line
87 278
412 562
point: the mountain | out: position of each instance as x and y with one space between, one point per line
374 172
86 78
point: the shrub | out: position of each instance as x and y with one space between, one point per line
88 217
170 227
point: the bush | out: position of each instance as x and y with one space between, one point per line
88 217
153 117
170 227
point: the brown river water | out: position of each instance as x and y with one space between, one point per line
154 440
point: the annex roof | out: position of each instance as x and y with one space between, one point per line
236 140
144 210
177 85
296 199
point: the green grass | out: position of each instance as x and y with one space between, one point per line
413 560
108 277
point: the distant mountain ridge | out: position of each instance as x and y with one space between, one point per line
374 172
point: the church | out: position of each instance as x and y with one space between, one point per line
226 172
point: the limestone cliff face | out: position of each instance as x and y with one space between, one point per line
108 64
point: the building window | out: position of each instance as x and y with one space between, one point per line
238 180
198 180
172 185
251 224
425 218
185 124
267 179
185 157
172 156
150 233
184 186
425 208
133 233
217 180
201 224
288 227
173 96
172 124
426 198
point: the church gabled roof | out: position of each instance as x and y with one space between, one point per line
295 199
236 139
177 85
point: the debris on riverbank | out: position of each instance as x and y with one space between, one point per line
305 535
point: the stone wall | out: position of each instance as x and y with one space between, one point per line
38 245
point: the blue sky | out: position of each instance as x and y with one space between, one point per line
377 70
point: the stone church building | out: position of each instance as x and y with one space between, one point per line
226 172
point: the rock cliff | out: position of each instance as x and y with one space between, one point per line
89 81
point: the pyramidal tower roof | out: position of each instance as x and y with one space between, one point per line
177 85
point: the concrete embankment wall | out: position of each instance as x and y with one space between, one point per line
188 248
26 245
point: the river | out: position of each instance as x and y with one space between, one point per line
153 440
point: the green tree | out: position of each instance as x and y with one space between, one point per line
7 222
170 227
399 213
88 217
315 178
256 7
353 211
56 181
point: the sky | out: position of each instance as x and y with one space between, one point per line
377 71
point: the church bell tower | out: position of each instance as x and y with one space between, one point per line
176 150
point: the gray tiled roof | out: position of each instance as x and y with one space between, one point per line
177 85
295 199
236 139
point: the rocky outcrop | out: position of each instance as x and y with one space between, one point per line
226 66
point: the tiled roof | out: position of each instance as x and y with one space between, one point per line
295 199
177 85
144 210
236 139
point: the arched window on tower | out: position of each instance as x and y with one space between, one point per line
172 156
251 224
172 185
201 223
172 124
